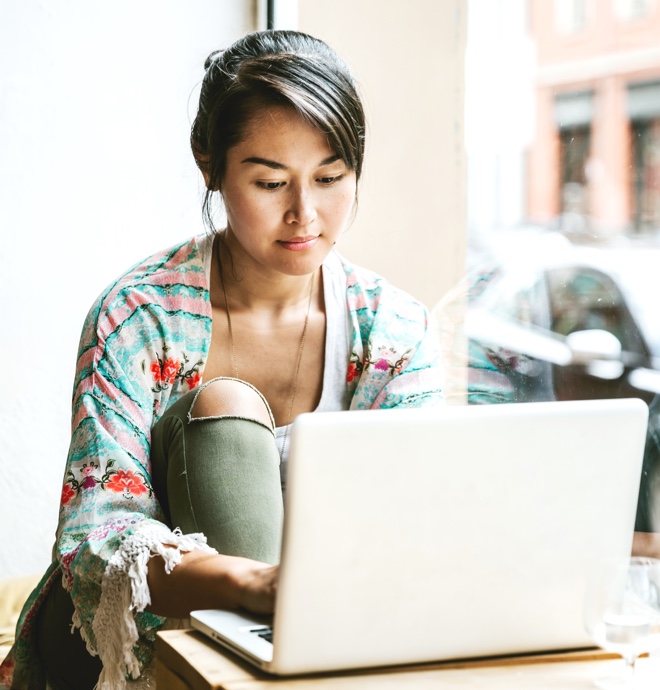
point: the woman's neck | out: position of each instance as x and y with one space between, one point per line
250 286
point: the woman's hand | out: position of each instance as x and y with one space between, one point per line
258 587
211 581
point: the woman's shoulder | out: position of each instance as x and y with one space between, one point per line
172 280
356 275
183 263
366 289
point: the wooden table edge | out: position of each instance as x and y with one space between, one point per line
238 670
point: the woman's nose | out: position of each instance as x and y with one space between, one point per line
302 210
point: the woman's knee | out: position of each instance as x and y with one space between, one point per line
225 397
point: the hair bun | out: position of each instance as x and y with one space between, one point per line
212 58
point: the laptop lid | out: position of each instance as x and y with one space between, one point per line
420 535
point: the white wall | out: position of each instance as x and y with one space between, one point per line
96 101
95 173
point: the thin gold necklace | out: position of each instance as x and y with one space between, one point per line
300 351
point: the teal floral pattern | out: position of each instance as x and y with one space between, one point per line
144 344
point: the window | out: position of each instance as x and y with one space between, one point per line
587 238
573 155
560 314
571 15
629 10
573 115
644 113
646 175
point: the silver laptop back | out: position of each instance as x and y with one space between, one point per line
417 535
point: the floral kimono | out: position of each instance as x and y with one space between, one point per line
144 345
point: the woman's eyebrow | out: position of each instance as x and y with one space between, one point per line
330 159
264 161
280 166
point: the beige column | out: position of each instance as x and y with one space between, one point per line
609 168
408 60
544 162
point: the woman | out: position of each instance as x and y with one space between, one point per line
172 498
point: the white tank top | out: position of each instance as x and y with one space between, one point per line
334 396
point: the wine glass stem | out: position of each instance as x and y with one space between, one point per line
629 673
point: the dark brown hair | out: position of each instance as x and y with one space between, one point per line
274 68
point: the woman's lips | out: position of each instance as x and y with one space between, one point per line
298 244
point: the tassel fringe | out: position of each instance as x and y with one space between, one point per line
124 591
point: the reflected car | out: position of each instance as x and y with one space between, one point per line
551 322
554 330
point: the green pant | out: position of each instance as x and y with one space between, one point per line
218 475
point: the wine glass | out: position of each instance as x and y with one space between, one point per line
622 613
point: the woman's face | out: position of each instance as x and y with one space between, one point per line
287 194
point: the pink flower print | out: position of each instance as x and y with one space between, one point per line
101 532
127 482
89 481
67 494
381 365
170 370
155 370
193 380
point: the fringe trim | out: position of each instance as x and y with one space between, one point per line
124 591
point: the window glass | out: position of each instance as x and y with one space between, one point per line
563 145
645 152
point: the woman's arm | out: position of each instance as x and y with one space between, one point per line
211 581
646 544
143 340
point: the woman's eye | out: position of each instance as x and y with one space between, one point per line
329 180
270 185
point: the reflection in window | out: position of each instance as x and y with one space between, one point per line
646 174
573 157
573 115
584 161
644 113
563 145
584 298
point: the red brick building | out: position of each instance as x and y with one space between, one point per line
595 159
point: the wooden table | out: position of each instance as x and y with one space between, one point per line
186 660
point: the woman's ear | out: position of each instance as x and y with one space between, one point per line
203 163
207 179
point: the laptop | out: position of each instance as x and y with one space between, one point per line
424 535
